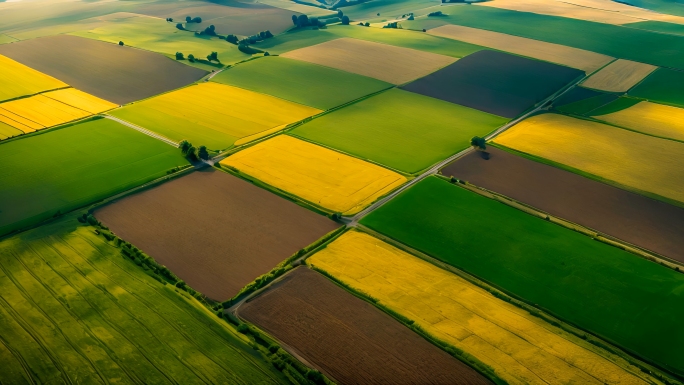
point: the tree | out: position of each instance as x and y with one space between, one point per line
192 154
232 39
294 19
315 376
210 30
340 13
268 34
191 57
180 26
121 43
302 21
202 153
313 21
345 20
188 19
197 20
184 146
179 56
478 143
213 57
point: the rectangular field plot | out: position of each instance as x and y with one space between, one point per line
108 71
347 338
632 302
7 131
495 82
300 82
18 80
388 63
572 57
619 76
400 129
81 100
519 347
73 308
645 163
650 118
664 85
641 221
217 245
320 176
564 9
212 114
61 170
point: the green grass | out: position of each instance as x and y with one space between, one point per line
615 106
388 9
61 170
617 41
662 86
659 26
588 105
73 305
662 6
625 299
400 129
300 82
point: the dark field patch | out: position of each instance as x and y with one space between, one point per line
215 231
495 82
118 74
576 94
663 85
636 219
348 338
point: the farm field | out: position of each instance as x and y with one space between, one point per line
388 63
212 114
634 302
630 159
320 176
639 220
32 81
390 129
218 245
520 347
7 131
619 76
663 85
285 78
495 82
649 118
113 73
582 101
348 338
75 166
72 308
659 26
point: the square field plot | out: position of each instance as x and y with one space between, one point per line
399 129
213 230
619 76
495 82
111 72
322 177
388 63
62 170
650 118
664 85
213 114
18 80
347 338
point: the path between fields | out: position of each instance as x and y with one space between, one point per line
143 130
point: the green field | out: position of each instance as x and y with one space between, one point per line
74 310
616 41
388 9
662 86
400 129
625 299
659 26
60 170
300 82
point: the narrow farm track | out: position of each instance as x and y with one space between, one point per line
143 130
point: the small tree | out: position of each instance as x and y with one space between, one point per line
232 39
313 21
192 154
302 21
210 30
180 26
315 376
345 20
184 146
191 58
478 143
340 13
202 153
213 57
294 19
121 43
188 19
179 56
197 20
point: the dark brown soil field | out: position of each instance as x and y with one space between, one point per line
495 82
109 71
636 219
348 338
213 230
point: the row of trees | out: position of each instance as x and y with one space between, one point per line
305 21
211 57
192 153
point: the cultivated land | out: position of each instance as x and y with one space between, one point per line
641 221
399 129
73 309
61 170
564 9
7 131
628 158
80 100
581 101
495 82
635 303
650 118
111 72
321 176
663 86
619 76
300 82
388 63
212 114
520 347
18 80
572 57
217 245
348 338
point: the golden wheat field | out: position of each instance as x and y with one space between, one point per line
650 118
562 9
81 100
32 81
619 76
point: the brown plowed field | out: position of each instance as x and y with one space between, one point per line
636 219
348 338
108 71
213 230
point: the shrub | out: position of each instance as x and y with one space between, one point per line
179 56
243 328
232 39
121 43
180 26
345 20
436 13
191 57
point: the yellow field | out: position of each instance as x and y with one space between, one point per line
619 76
7 131
81 100
521 348
625 9
634 160
18 80
331 180
18 122
651 118
43 110
562 9
586 61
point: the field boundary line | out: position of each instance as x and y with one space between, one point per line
143 130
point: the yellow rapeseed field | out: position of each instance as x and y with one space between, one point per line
619 76
562 9
18 121
43 110
81 100
629 158
326 178
521 348
7 131
18 80
651 118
